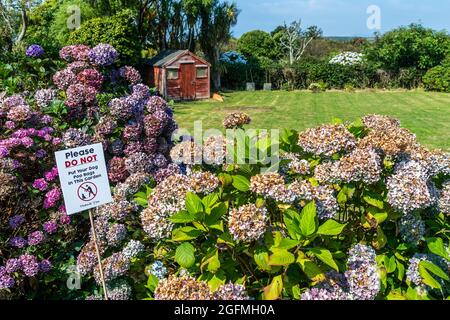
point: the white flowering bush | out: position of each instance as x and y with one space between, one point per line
355 211
348 58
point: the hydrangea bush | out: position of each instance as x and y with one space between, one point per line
348 58
349 211
353 212
92 101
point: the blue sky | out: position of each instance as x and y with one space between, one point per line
341 17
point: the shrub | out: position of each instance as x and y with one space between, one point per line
317 87
338 218
409 47
349 88
438 79
38 241
118 30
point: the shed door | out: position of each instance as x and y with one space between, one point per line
188 81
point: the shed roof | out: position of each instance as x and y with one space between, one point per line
167 56
164 57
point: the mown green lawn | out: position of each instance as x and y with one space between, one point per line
426 114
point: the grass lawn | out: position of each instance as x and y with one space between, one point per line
426 114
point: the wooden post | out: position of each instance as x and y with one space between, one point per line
94 234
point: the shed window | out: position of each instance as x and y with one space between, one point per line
172 74
202 72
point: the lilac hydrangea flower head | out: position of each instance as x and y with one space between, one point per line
74 53
16 221
44 97
18 242
103 55
29 264
10 125
45 266
13 265
40 184
50 226
36 238
6 281
35 51
64 219
52 174
362 273
52 197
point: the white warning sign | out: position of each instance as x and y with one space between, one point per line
83 177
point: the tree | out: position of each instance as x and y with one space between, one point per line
59 29
216 20
257 44
295 40
118 30
14 14
409 47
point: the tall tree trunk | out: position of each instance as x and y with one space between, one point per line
24 24
215 69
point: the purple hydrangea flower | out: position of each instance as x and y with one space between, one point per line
12 265
16 221
52 174
56 141
64 219
41 153
36 238
4 152
50 226
45 266
6 281
51 198
29 264
103 55
18 242
35 51
27 142
10 125
46 119
40 184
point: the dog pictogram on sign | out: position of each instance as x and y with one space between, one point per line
87 191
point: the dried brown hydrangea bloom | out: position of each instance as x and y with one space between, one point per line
409 188
168 198
271 185
435 162
113 267
389 142
204 182
324 196
360 165
156 223
215 150
118 209
295 165
182 288
187 152
236 120
230 292
326 140
248 223
131 185
328 172
380 123
87 259
9 185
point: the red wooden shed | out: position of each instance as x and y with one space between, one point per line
179 75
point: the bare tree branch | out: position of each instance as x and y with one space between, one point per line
295 40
